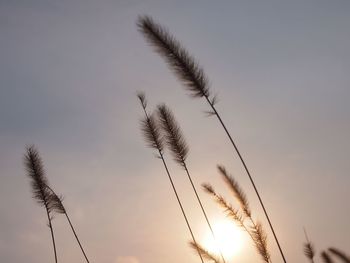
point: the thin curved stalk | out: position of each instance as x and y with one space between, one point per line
179 149
76 237
52 235
181 207
59 208
339 254
154 140
248 173
203 210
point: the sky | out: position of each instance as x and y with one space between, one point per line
69 73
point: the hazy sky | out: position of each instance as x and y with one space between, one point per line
69 72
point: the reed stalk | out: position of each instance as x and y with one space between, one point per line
339 254
59 208
39 182
177 144
154 140
195 81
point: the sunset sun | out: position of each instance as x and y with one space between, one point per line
228 239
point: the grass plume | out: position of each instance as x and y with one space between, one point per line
309 250
229 210
205 253
236 190
39 182
149 127
260 240
194 79
179 60
173 135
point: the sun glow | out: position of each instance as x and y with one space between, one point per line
228 239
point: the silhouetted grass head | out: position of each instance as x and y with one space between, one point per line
179 60
230 211
236 190
57 203
204 253
172 133
309 251
260 241
150 128
35 171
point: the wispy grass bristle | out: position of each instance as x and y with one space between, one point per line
150 127
58 206
151 132
236 190
205 253
229 210
260 241
309 251
35 171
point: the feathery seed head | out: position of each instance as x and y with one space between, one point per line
203 252
173 136
35 170
57 204
178 59
309 251
260 241
236 190
229 210
208 188
151 132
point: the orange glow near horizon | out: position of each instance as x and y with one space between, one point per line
228 236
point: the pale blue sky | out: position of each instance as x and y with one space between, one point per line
69 72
